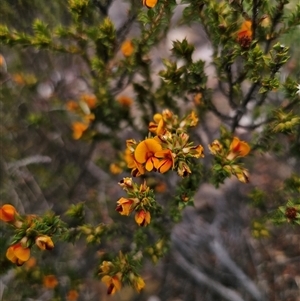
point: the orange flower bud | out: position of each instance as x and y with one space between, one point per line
127 48
7 213
149 3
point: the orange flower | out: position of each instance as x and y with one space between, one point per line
138 283
106 266
149 3
78 129
127 48
238 148
125 101
17 254
71 105
216 147
115 169
90 100
124 206
158 126
7 213
244 35
72 295
137 168
113 283
145 153
44 242
30 263
143 218
50 281
167 162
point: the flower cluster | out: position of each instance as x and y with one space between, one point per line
245 34
169 149
29 233
122 269
82 108
226 159
140 199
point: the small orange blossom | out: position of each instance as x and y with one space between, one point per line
145 153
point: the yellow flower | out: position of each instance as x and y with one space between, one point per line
167 161
113 283
106 266
215 147
150 3
238 148
244 35
143 218
17 254
50 281
90 100
125 101
124 206
192 119
197 151
145 153
197 99
72 295
241 173
78 129
72 105
127 48
44 242
7 213
138 283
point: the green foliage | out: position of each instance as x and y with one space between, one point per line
73 94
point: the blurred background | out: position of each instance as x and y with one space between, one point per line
221 250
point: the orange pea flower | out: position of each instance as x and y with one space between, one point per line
18 254
7 213
143 218
113 283
90 100
137 168
127 48
245 34
72 105
138 283
125 101
125 206
167 161
78 129
149 3
44 242
238 148
158 126
50 281
72 295
145 153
